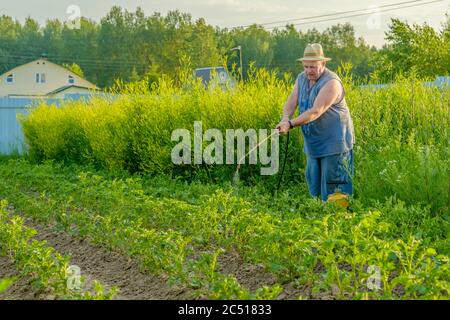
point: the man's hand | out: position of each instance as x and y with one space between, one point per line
283 127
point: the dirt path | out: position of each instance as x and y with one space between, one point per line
253 277
110 268
114 269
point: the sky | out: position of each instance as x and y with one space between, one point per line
234 13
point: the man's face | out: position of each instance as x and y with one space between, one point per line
313 69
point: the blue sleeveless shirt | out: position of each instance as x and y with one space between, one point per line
331 133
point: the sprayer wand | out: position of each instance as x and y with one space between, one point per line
236 174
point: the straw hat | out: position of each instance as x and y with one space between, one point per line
313 52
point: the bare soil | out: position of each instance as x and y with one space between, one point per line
113 269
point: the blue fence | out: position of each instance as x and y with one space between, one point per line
11 136
440 82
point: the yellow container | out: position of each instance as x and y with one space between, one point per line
340 198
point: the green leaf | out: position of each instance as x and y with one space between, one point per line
6 283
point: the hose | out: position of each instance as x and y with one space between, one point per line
284 162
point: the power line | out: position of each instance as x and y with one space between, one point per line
331 14
60 57
112 66
96 64
88 63
372 11
358 15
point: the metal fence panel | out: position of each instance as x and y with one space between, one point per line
11 136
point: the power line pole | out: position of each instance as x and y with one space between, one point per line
240 60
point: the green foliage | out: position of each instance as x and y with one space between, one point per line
6 283
127 133
101 49
110 176
46 267
415 48
181 230
159 42
393 156
75 69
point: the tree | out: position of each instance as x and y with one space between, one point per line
74 68
81 46
414 47
52 37
257 47
30 40
202 48
288 47
134 76
9 52
131 45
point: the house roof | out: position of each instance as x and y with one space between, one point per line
63 88
49 62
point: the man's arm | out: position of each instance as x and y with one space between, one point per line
288 110
291 104
326 97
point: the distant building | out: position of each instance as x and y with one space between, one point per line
215 76
42 78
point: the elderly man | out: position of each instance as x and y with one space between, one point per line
326 125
